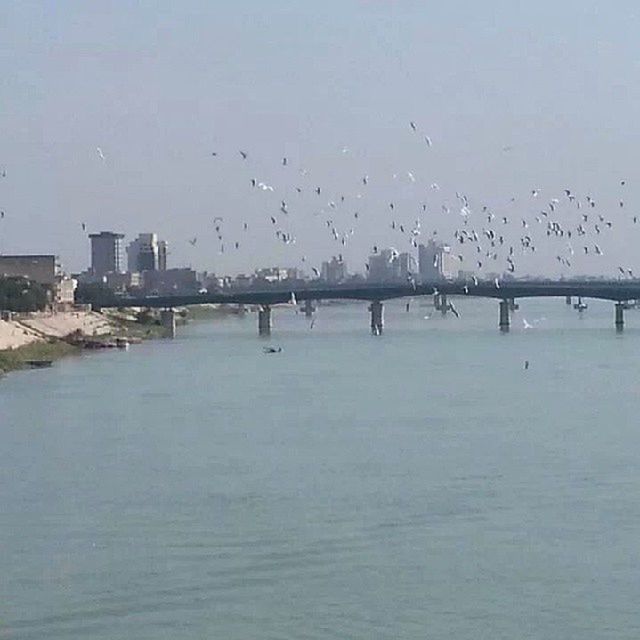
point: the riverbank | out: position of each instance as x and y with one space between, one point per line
31 338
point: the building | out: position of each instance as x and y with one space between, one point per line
436 262
273 274
407 266
147 253
123 282
45 271
106 252
64 291
335 271
384 266
171 282
42 269
163 250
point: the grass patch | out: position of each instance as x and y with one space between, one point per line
12 359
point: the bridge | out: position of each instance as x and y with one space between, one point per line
506 291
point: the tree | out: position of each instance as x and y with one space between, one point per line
95 293
21 295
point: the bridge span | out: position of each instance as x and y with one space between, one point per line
507 291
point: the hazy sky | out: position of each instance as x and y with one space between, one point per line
159 86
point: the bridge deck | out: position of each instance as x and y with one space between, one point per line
615 290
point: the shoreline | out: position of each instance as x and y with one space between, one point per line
38 339
31 339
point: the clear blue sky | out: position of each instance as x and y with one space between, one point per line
158 86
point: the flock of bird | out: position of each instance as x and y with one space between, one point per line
484 238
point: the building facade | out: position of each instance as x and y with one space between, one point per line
147 253
42 269
384 266
335 271
106 253
436 262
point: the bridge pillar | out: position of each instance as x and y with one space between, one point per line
440 303
567 300
264 320
168 322
377 323
619 316
308 308
504 315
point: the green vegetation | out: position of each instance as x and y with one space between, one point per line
17 358
95 294
21 295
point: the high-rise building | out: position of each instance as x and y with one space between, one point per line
147 253
106 253
163 249
384 266
407 266
435 261
334 271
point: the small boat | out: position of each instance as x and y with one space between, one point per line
39 364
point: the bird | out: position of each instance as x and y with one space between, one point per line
413 126
100 154
84 226
193 241
244 155
427 139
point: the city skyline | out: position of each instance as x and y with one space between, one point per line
133 148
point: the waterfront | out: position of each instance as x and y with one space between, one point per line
418 484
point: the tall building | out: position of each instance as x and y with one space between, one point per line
163 250
335 271
384 266
407 265
435 261
106 252
147 253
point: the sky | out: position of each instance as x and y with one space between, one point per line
514 95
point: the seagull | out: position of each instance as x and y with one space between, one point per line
413 126
193 241
427 139
244 155
100 154
526 324
84 226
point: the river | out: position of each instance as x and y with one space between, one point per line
420 484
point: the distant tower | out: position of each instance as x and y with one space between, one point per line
162 255
106 252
